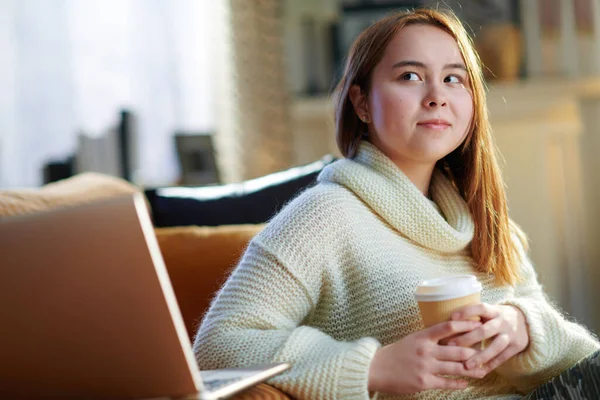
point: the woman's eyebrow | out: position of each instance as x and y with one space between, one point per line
419 64
455 66
409 63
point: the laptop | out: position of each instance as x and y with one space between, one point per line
87 310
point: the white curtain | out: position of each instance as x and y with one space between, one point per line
69 66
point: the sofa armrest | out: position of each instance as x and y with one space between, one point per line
79 189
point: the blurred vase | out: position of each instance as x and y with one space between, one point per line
500 49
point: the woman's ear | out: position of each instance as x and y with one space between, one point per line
360 103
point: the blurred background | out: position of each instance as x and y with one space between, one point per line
205 92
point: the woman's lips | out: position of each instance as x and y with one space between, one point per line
435 124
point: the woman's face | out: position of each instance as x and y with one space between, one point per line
419 103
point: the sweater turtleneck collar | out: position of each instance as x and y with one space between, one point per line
379 183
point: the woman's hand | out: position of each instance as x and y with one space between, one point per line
505 325
415 362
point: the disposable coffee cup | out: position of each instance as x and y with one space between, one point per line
439 298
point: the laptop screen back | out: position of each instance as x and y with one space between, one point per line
84 312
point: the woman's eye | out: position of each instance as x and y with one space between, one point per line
410 76
453 79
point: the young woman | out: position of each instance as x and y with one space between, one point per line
328 285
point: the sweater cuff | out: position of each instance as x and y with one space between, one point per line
533 355
354 375
543 359
554 345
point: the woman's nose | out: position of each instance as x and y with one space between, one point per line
435 96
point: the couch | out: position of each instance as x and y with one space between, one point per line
199 252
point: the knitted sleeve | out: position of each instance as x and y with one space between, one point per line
555 343
260 316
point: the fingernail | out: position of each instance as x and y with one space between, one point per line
452 344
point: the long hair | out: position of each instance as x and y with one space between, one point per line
473 166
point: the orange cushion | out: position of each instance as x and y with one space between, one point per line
198 260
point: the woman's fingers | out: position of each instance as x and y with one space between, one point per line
494 349
454 353
481 310
485 331
445 329
499 360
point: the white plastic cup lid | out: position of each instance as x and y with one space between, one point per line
450 287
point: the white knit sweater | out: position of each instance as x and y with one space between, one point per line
332 278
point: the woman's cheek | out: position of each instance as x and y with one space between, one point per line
386 110
463 104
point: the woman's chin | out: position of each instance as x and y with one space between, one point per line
432 155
